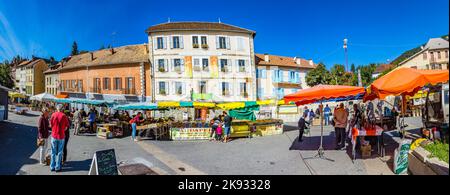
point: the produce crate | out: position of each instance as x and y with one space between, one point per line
105 135
366 151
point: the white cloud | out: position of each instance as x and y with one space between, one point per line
9 44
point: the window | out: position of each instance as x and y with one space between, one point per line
240 44
243 89
292 78
177 65
439 54
97 85
428 67
415 67
162 88
178 88
196 63
424 55
277 76
224 66
195 42
432 56
129 85
176 42
225 88
202 87
263 73
222 43
162 65
80 85
117 83
260 92
204 41
446 54
241 65
106 83
205 64
160 43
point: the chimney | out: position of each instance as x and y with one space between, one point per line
92 56
311 62
266 57
297 60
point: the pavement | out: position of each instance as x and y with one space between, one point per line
270 155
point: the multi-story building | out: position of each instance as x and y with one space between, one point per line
52 78
116 74
30 76
434 55
202 61
278 76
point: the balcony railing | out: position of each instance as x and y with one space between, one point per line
96 90
76 90
129 91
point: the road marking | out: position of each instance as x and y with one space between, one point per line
179 167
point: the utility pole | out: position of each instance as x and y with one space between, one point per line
346 54
359 78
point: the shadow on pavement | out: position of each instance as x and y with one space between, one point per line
313 142
29 114
70 166
17 145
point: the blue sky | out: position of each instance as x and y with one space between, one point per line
377 30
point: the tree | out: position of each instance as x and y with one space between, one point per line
75 49
5 76
319 75
352 68
83 51
339 76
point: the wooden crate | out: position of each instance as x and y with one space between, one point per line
366 151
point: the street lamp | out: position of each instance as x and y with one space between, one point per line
346 55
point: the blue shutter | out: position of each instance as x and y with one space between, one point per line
274 75
257 73
297 77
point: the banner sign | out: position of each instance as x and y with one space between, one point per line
183 134
214 67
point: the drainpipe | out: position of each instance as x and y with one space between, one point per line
142 69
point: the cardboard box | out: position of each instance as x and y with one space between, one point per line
366 151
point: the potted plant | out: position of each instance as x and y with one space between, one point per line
224 69
245 94
205 46
195 45
162 92
162 69
197 68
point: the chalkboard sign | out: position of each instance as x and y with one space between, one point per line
104 163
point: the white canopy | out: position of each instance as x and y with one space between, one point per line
42 97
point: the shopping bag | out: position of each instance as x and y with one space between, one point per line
401 157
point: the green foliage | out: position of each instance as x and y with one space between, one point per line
439 150
319 75
5 76
352 68
74 49
83 51
339 76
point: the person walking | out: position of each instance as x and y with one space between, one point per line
59 123
227 126
43 133
327 113
340 123
134 122
301 127
91 118
311 116
77 122
66 140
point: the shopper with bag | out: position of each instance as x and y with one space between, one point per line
59 123
43 133
340 123
134 122
301 127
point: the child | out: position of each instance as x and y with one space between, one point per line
219 132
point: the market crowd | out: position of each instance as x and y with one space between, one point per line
343 119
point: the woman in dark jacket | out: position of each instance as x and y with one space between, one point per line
43 133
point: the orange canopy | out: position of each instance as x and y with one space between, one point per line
62 96
404 81
323 92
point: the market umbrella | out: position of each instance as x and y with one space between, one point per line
320 93
404 82
42 97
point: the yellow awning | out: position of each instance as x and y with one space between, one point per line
265 102
204 104
16 95
231 105
168 104
419 94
